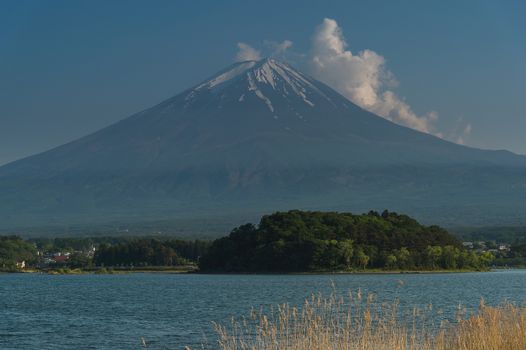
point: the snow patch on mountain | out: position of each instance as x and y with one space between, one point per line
228 75
294 81
252 86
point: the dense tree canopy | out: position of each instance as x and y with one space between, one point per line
321 241
14 249
149 252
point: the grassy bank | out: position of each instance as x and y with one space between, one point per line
357 322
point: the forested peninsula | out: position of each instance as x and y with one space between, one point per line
310 241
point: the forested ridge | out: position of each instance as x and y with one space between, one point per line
297 241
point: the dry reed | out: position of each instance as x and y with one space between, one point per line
357 322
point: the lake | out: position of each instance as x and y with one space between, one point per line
39 311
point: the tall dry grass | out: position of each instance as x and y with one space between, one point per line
502 327
357 322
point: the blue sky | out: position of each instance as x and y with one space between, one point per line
68 68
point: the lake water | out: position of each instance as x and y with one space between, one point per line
114 311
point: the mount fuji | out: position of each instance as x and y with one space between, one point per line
257 137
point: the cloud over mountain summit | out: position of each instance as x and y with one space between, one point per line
362 77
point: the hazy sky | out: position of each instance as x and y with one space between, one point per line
68 68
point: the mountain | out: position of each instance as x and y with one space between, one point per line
257 137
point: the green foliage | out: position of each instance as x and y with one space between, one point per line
391 261
64 244
14 249
361 259
79 260
519 248
321 241
149 252
486 258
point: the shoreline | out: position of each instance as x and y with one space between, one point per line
366 272
102 271
191 270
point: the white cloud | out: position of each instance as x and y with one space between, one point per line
362 77
465 134
247 53
461 132
279 48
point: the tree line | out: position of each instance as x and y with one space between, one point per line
109 251
150 252
290 241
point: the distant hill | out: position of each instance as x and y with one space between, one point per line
257 137
298 241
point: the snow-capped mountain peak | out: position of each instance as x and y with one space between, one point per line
262 79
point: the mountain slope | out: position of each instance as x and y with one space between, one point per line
255 137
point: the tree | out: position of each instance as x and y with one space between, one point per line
391 261
450 257
433 255
486 258
14 249
346 249
79 260
403 256
361 258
